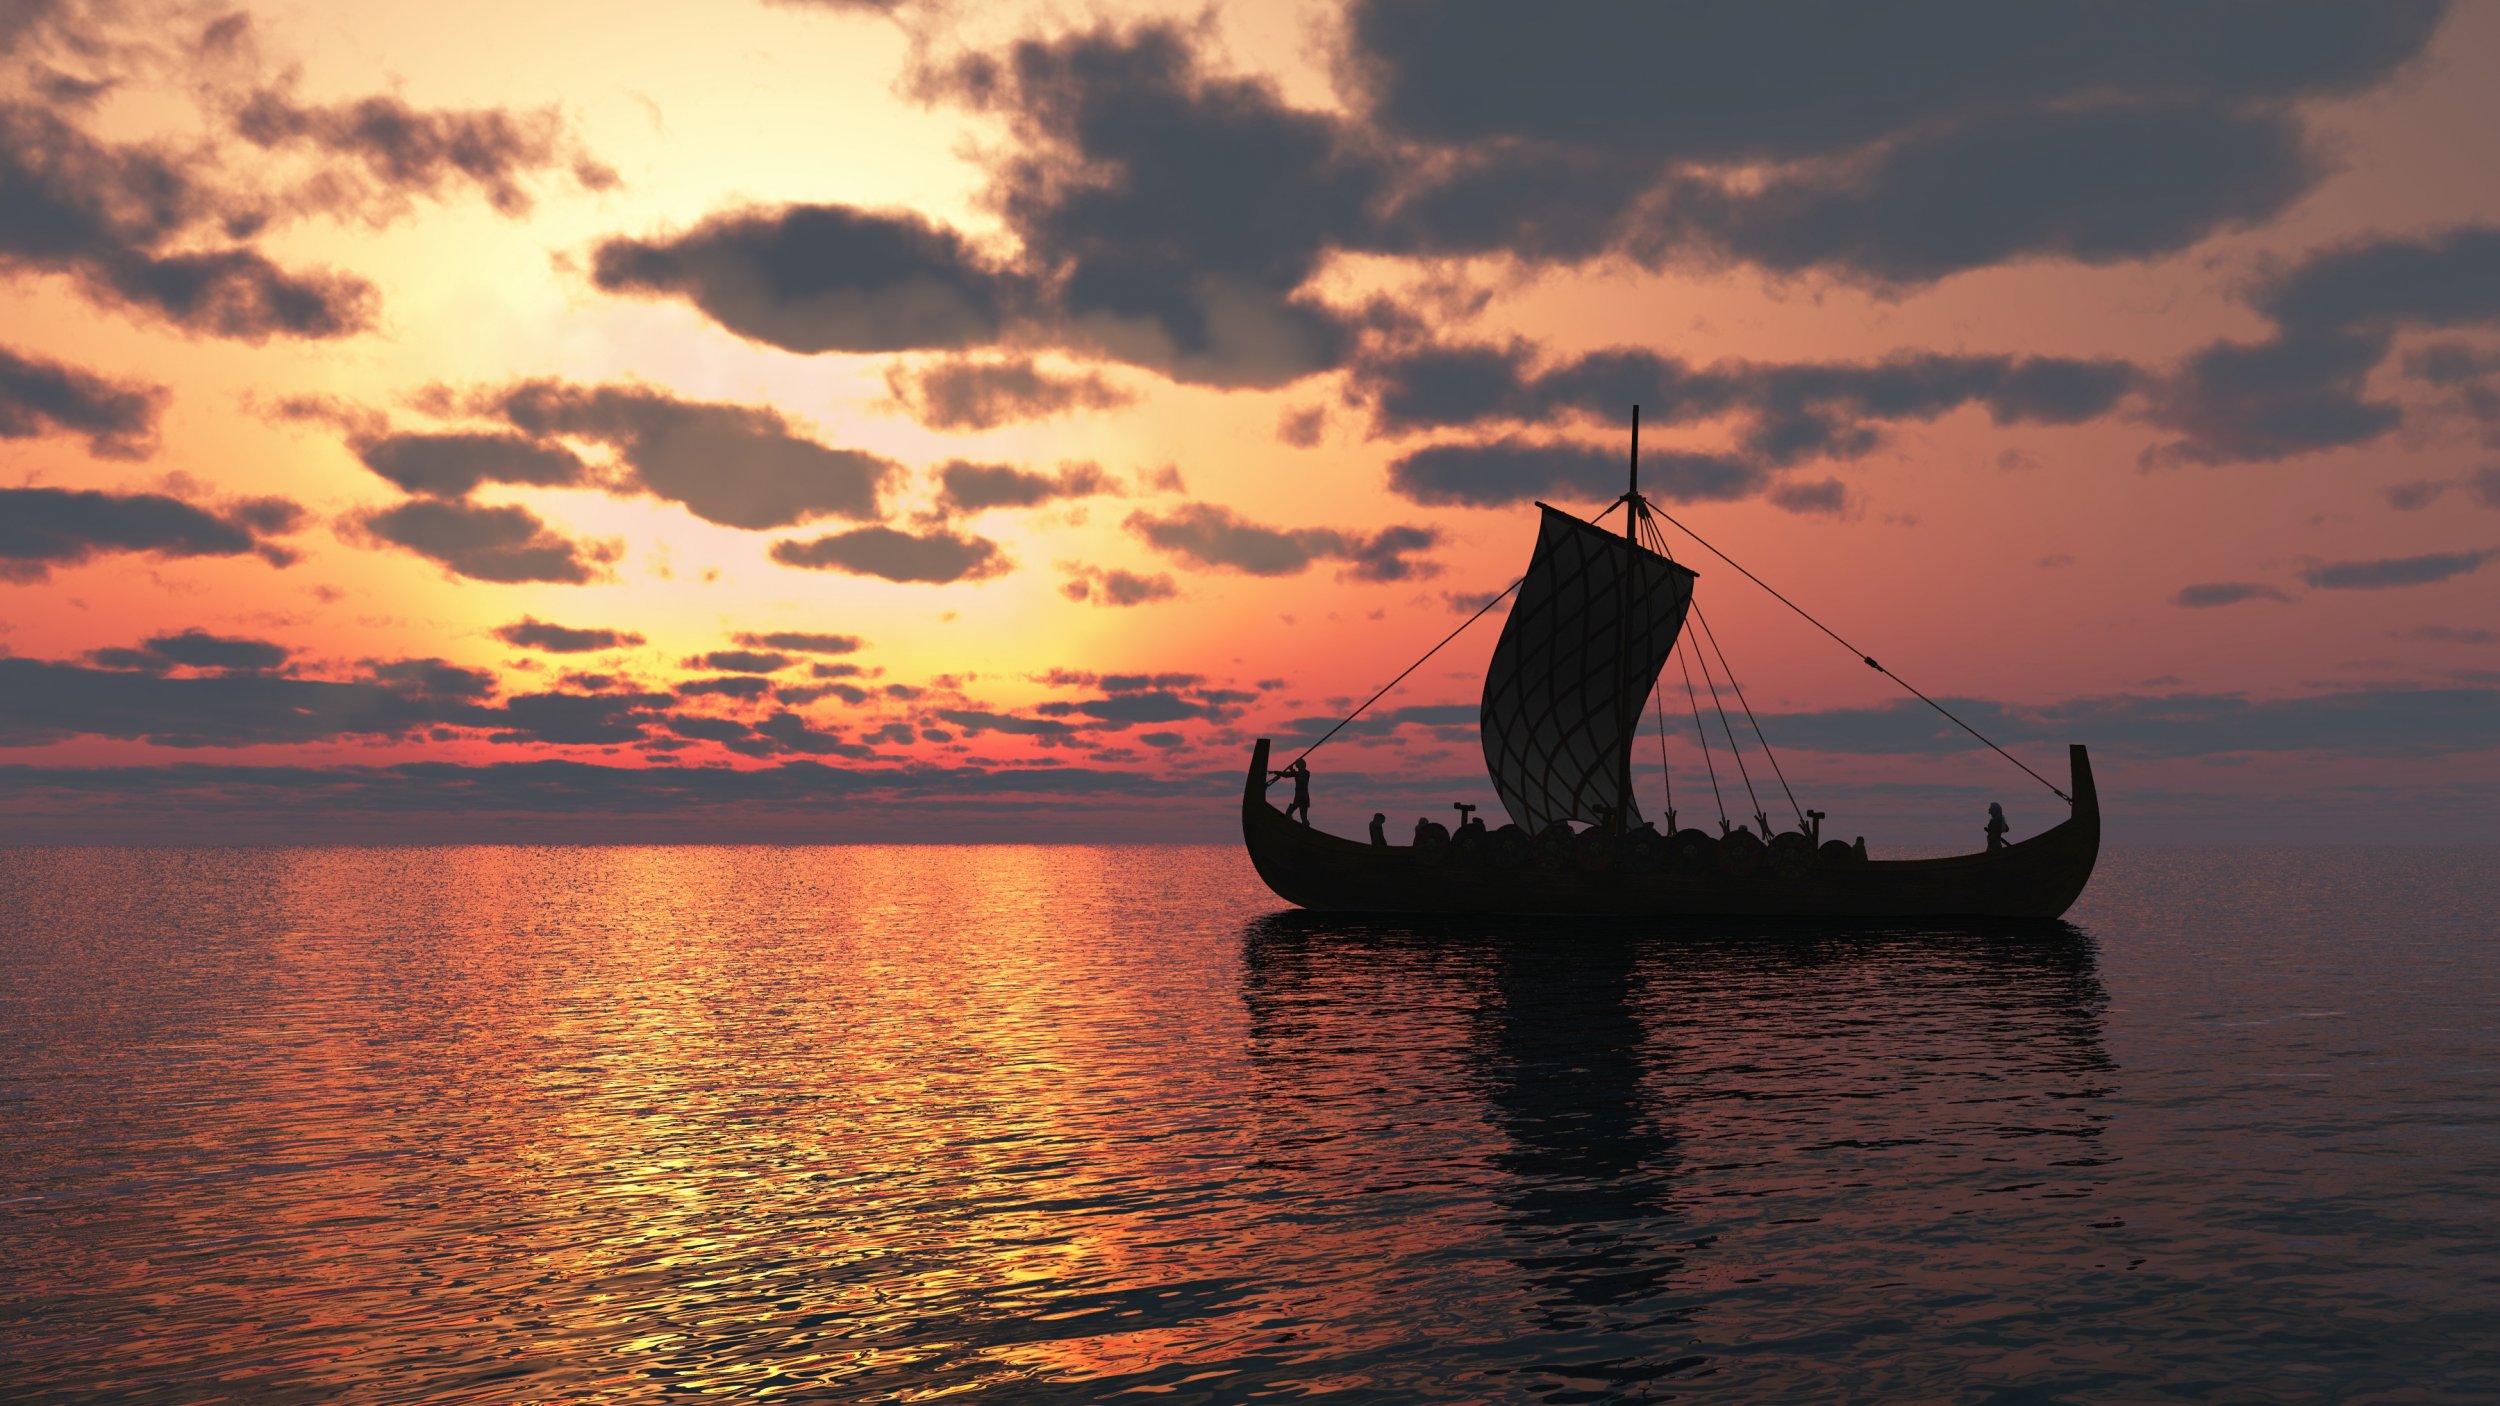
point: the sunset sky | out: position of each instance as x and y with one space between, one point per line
841 421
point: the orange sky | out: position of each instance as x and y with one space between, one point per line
2037 568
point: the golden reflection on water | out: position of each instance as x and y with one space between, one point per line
1040 1124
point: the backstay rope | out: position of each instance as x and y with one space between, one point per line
1730 670
1733 750
1863 655
1701 732
1666 774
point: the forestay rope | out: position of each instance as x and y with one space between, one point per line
1436 649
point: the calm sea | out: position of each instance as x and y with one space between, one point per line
1061 1124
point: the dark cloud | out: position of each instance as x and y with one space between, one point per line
2450 363
1115 586
1462 384
39 397
2094 184
198 649
2207 594
486 544
433 677
2237 401
1129 709
1120 683
1175 218
574 719
450 465
1517 471
739 466
2451 634
1447 721
981 395
2395 571
1303 428
1215 536
822 278
2447 279
740 661
739 686
709 729
43 528
398 151
804 642
1174 215
1795 79
790 733
2373 722
968 488
2336 316
940 555
42 702
1827 496
1786 412
108 217
2413 497
975 721
532 633
194 649
1902 145
1166 218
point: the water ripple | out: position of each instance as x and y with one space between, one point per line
1058 1125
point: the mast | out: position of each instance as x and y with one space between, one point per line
1623 631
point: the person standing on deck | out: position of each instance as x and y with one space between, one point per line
1300 771
1996 826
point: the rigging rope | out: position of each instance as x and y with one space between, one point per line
1724 727
1401 678
1702 732
1869 659
1436 649
1666 775
1730 671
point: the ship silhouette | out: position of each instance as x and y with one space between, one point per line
1594 621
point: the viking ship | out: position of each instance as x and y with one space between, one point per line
1593 622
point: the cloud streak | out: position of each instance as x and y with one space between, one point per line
501 544
42 529
2381 574
935 557
38 396
1208 535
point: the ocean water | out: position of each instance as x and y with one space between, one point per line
1069 1124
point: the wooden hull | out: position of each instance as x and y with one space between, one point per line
2038 878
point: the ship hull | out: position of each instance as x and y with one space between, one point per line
2038 878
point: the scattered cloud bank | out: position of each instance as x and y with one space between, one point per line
174 232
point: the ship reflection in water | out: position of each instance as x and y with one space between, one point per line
1667 1139
1057 1124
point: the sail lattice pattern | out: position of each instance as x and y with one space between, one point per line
1594 622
